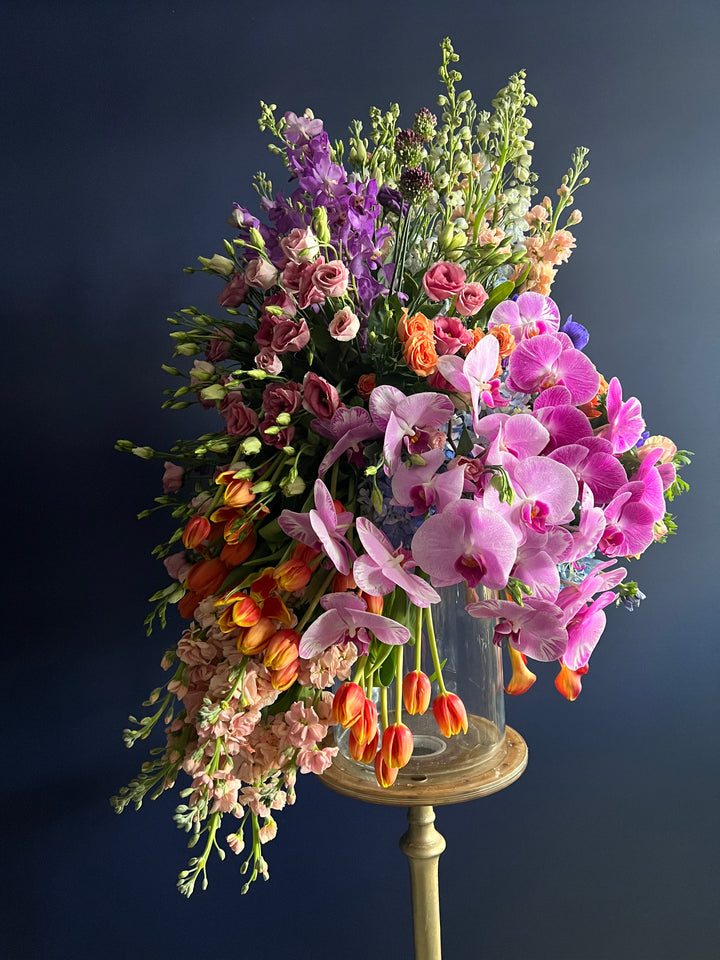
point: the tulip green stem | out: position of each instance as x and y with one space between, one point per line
418 638
384 708
398 682
433 650
315 600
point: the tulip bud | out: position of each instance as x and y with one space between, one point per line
206 577
374 604
363 752
282 650
196 530
450 714
284 678
256 638
238 493
293 575
385 775
348 704
397 745
416 692
365 727
233 554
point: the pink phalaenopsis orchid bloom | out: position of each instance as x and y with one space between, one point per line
422 487
520 435
382 568
593 464
583 615
475 375
545 494
528 316
347 618
466 542
551 359
350 428
405 419
535 628
322 528
625 422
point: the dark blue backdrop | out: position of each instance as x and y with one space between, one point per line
129 129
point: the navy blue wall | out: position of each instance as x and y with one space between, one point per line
129 129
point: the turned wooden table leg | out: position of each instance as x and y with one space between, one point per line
422 845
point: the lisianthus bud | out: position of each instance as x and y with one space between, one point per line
218 264
196 530
348 704
450 714
385 775
397 745
282 650
416 692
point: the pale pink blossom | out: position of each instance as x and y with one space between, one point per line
344 325
300 246
173 477
261 273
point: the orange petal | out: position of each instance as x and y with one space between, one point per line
522 678
568 681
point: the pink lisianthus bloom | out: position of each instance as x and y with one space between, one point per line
470 299
450 334
422 487
218 348
549 359
443 281
281 398
531 314
261 273
172 477
235 291
319 396
240 419
289 336
466 542
331 278
347 618
625 422
268 361
344 325
534 629
300 246
382 568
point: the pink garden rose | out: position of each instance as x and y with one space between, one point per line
470 299
344 325
444 280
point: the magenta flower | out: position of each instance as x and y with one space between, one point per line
521 435
535 628
404 419
625 422
423 487
381 568
347 618
545 494
592 462
590 529
531 314
466 542
550 359
475 375
563 421
584 616
628 523
349 427
322 528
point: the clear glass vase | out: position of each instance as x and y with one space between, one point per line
471 667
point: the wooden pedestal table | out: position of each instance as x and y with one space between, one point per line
422 844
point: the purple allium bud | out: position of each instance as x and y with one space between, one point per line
415 184
408 148
425 123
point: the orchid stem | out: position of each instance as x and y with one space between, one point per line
433 650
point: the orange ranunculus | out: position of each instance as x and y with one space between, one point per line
206 577
420 354
409 326
366 385
477 335
505 339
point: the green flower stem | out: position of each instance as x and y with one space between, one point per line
418 638
359 677
398 682
433 649
384 708
315 600
333 478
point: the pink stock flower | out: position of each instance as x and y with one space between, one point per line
381 568
625 423
531 314
322 528
443 280
347 618
465 542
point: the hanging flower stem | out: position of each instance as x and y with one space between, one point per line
398 683
418 638
433 649
384 708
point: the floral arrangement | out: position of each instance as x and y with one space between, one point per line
396 406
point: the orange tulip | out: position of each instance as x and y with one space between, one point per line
282 649
187 605
196 530
206 577
416 692
292 575
397 745
450 714
256 638
365 727
233 554
238 493
385 775
245 612
285 677
348 704
363 752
